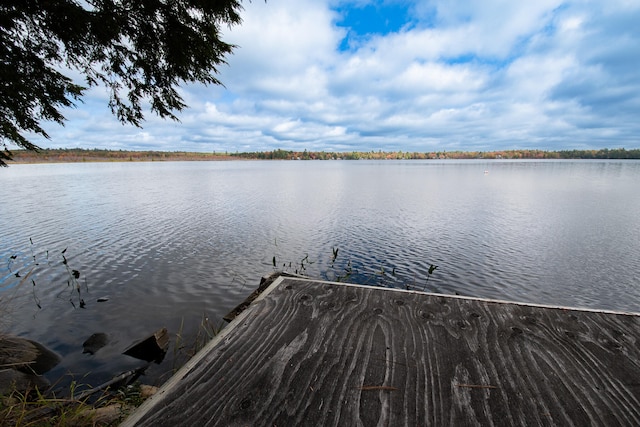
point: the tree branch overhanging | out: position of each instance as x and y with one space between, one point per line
141 51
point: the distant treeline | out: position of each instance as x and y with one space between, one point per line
97 155
605 153
73 155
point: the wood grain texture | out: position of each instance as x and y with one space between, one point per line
313 353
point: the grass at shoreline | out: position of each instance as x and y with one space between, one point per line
107 404
35 409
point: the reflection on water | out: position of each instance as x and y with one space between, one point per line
166 243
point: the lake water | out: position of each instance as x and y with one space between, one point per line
169 243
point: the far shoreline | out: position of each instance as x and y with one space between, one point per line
76 155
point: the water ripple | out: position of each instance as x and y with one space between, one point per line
170 242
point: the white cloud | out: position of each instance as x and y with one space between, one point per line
544 74
434 77
280 39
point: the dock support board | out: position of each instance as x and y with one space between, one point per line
318 353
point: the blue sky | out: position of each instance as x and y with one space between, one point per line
403 75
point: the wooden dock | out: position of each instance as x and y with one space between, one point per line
318 353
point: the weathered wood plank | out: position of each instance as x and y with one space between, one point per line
313 353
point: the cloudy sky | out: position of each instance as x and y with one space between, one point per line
403 75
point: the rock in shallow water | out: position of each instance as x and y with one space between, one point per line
95 342
26 355
151 349
25 361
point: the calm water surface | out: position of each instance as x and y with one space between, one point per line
169 243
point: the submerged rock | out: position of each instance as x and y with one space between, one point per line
11 379
95 342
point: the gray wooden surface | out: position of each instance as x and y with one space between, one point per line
314 353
